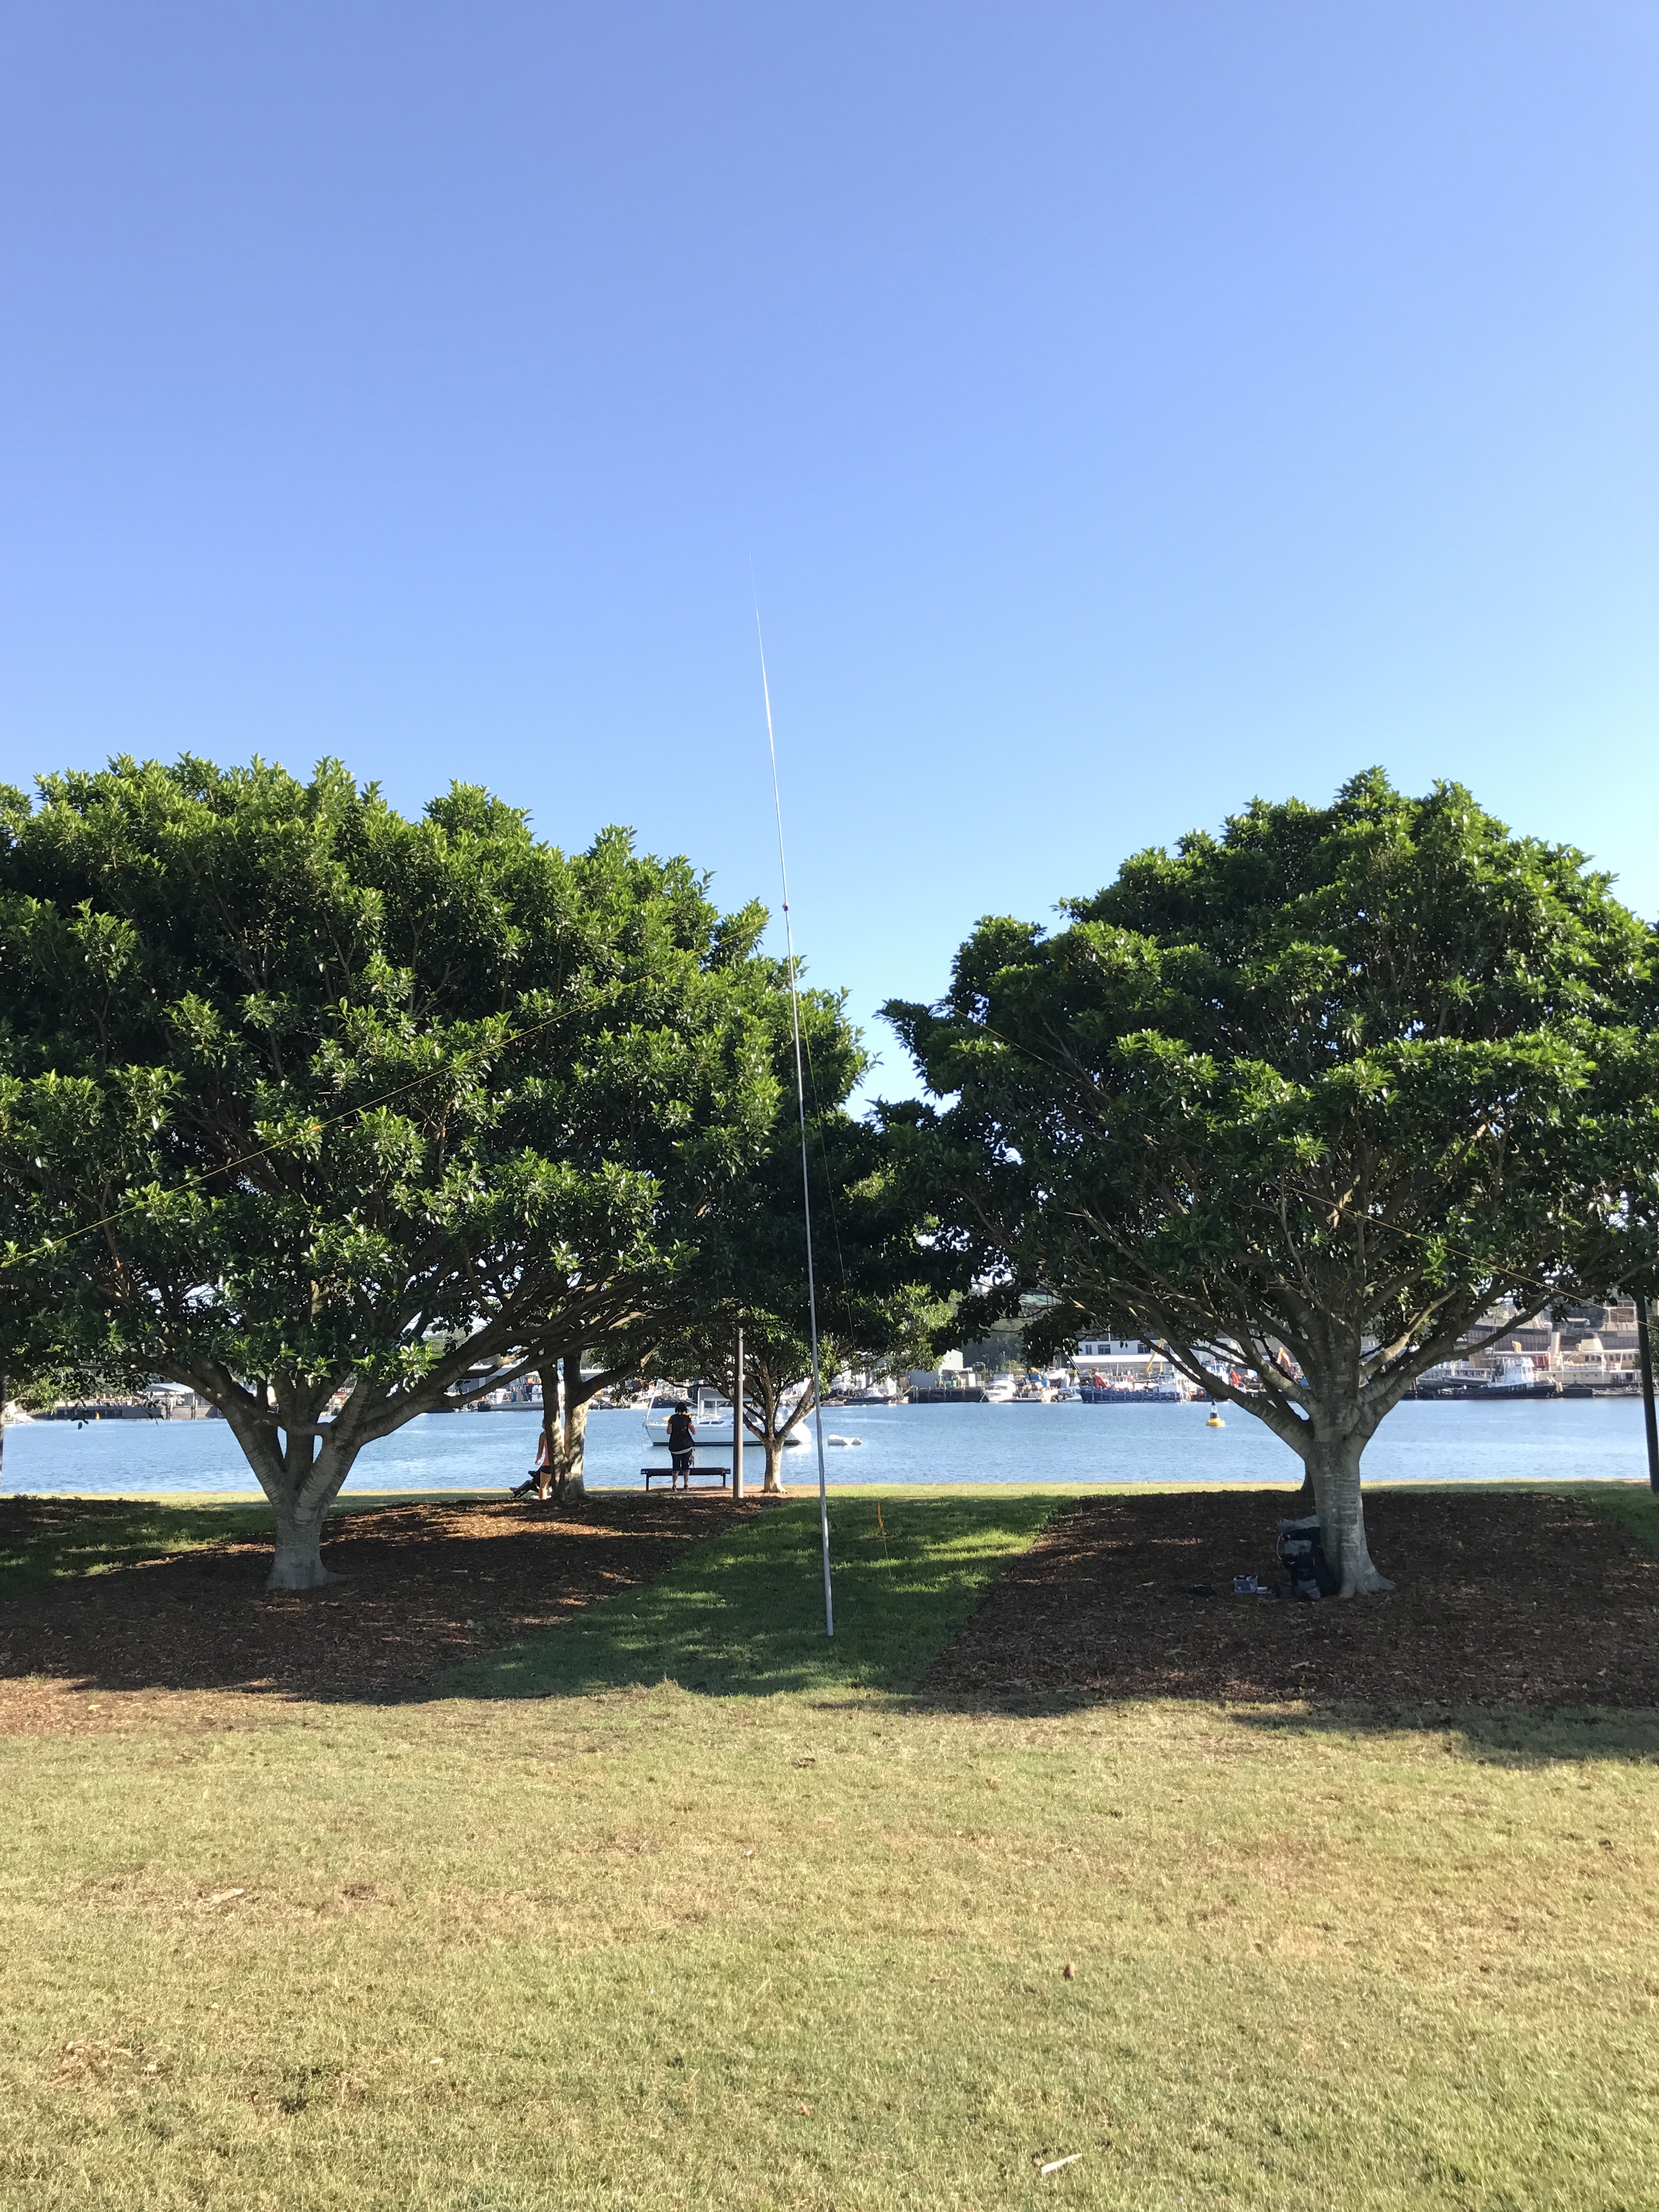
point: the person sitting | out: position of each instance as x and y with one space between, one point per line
682 1443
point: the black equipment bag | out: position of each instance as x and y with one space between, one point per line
1302 1555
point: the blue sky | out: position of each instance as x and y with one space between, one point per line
1124 409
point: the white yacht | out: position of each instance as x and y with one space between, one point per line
711 1412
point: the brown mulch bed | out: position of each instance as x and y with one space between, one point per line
428 1585
1522 1599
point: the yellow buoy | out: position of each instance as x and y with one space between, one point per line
1215 1421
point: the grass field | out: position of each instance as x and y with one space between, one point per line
681 1905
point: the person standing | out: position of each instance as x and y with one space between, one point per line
682 1443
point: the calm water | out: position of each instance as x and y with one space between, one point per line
1506 1442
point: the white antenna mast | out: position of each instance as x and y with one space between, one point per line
805 1177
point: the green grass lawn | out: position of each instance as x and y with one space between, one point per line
682 1905
745 1617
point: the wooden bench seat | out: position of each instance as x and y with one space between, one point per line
660 1472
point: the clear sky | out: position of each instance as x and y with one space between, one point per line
1125 409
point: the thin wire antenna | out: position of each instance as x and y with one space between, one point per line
805 1173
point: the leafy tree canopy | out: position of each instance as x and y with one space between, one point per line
1311 1094
299 1098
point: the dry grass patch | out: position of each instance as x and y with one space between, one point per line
759 1947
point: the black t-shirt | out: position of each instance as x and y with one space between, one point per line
682 1437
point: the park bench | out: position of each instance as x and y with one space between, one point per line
659 1472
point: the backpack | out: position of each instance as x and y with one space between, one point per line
1309 1573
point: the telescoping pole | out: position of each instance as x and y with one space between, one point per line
806 1172
737 1420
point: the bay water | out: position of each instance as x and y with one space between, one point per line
1510 1441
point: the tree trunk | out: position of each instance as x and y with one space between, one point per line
313 1472
1333 1461
773 1446
546 1472
299 1457
297 1564
572 1440
301 1476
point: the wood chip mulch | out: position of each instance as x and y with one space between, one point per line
428 1585
1519 1599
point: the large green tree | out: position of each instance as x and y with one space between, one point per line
319 1109
1312 1095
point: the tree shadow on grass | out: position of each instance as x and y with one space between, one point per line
1519 1623
744 1616
1522 1621
1506 1737
47 1543
941 1577
126 1596
486 1598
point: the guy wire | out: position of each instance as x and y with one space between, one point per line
805 1171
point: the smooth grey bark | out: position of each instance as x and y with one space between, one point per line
1331 1454
548 1456
297 1560
572 1432
772 1448
301 1472
300 1460
765 1432
771 1434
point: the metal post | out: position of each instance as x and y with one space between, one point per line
736 1421
1645 1361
